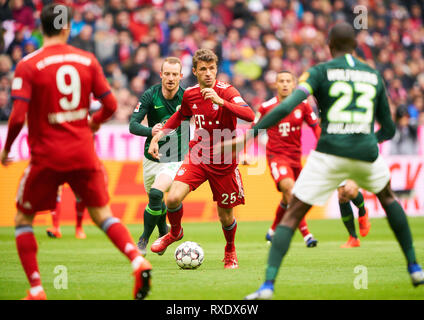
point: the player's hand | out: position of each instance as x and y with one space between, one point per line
93 125
5 159
154 149
156 128
209 93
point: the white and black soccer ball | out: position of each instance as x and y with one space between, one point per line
189 255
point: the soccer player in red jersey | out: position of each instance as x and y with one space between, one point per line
215 106
52 86
283 149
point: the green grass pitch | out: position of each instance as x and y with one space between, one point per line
97 270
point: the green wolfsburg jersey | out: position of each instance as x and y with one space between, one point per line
350 96
159 110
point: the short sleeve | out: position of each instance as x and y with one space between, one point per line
22 82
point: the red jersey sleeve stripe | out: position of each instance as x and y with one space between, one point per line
103 95
19 98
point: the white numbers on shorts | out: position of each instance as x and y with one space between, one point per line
73 88
232 197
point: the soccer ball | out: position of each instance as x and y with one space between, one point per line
189 255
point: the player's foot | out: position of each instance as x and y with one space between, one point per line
230 260
142 280
142 246
310 241
417 274
160 245
265 292
168 228
352 242
39 296
364 224
269 235
54 232
79 233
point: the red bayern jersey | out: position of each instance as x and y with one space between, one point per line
284 139
57 82
209 117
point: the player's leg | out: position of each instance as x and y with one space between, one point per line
27 247
375 177
79 209
121 238
229 228
90 185
37 192
54 231
153 212
399 224
178 191
280 246
318 179
348 220
350 192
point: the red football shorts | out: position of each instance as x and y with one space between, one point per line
281 169
227 188
38 188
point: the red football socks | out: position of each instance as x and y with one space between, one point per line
27 251
120 236
175 216
281 210
230 234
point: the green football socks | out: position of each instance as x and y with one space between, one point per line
280 246
399 224
360 204
347 218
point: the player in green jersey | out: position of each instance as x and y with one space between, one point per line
159 103
350 96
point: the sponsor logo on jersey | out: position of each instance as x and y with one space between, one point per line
157 107
17 84
194 106
298 114
181 171
137 108
238 99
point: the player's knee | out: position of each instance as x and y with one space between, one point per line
173 200
155 198
386 196
23 219
99 214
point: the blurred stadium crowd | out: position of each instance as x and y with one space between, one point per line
253 40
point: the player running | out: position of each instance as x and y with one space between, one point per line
350 95
215 106
159 103
283 149
348 191
52 86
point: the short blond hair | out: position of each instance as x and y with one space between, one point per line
171 60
